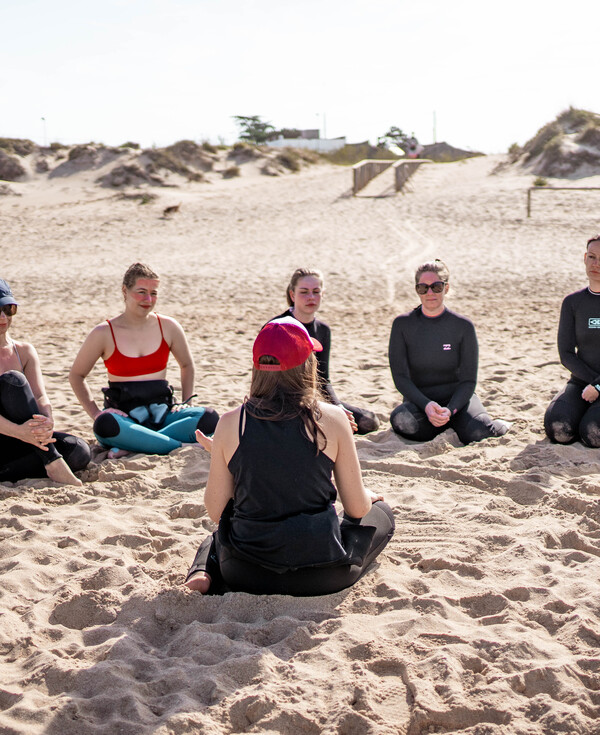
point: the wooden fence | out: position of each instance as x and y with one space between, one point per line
556 188
368 169
405 168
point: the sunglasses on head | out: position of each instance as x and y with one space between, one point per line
436 287
9 309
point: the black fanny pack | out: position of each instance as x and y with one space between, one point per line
146 401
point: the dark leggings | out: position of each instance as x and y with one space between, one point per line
232 574
569 417
18 459
365 420
471 423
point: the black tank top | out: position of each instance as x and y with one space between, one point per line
283 514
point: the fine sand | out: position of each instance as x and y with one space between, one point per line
481 616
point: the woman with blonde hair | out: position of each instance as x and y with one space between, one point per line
270 488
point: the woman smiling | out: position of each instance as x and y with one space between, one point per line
433 358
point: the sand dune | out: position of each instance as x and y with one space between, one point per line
482 615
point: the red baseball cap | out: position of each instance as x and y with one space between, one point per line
287 340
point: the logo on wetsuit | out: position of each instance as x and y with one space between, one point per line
594 322
449 347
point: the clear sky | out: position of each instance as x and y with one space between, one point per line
158 71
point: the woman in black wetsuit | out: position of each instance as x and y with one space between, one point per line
303 294
270 487
433 357
29 446
574 412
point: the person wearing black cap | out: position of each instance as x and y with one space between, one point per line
29 446
270 485
574 413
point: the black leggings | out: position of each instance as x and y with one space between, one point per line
232 574
365 420
471 423
569 417
18 459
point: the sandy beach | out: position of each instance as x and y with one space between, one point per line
482 615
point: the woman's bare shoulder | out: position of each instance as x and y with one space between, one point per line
332 413
25 349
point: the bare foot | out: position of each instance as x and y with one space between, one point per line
59 471
117 453
199 582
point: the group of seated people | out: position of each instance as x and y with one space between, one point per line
272 459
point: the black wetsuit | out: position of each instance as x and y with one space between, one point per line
20 460
435 359
365 420
569 417
280 533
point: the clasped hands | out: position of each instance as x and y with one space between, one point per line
38 431
437 415
589 393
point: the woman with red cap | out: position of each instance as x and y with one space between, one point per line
270 484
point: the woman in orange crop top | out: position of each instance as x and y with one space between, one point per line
139 413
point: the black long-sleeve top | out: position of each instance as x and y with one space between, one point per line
434 358
321 332
579 336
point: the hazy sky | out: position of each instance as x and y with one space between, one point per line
157 71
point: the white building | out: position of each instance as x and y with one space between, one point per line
322 145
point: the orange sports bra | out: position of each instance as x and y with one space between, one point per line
131 367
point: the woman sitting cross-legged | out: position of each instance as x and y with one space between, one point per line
139 412
434 358
270 485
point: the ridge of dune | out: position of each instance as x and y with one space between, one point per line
482 615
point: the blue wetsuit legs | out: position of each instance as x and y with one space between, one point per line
122 432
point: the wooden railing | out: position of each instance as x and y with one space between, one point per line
405 168
368 169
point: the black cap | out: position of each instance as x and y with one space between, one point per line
6 295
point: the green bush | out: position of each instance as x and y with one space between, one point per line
514 151
209 147
232 172
289 158
540 181
129 144
574 119
17 146
162 158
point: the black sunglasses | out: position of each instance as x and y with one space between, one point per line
9 309
436 287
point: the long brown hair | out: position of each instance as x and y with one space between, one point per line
285 394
